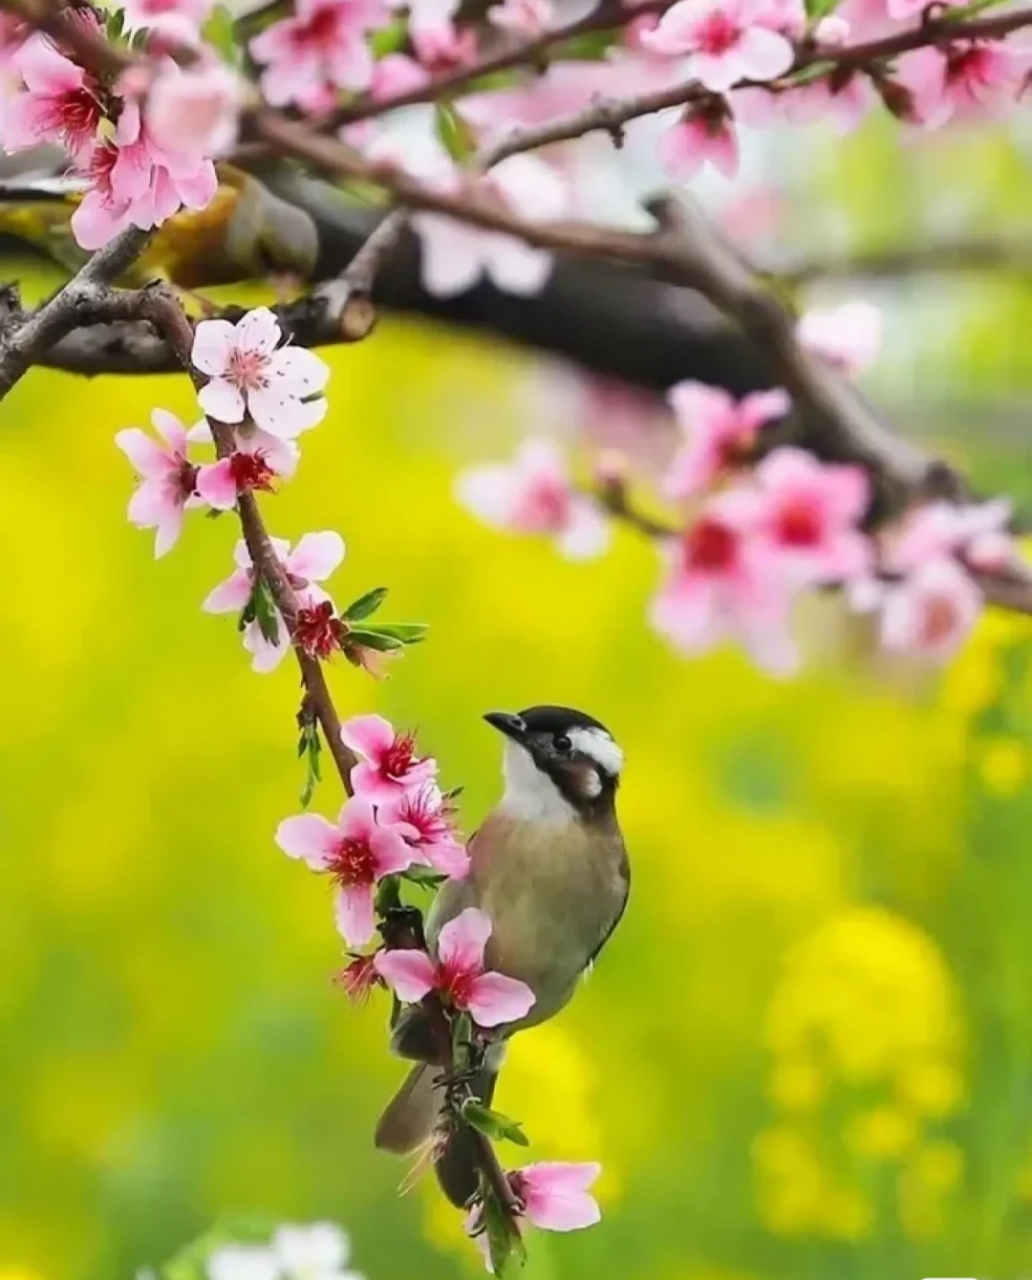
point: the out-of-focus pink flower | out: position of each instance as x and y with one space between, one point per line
807 513
839 100
257 462
167 15
59 103
425 811
701 136
194 109
389 766
169 479
455 257
722 40
357 850
441 47
721 584
976 534
321 49
395 74
931 612
966 80
490 998
848 336
525 17
533 494
314 558
551 1195
719 432
250 373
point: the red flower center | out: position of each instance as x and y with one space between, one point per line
456 985
317 632
716 34
359 978
251 471
321 31
939 620
972 65
352 863
710 546
799 524
399 757
183 481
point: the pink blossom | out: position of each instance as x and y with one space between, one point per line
458 975
552 1195
847 337
395 74
455 257
167 15
976 534
966 80
194 110
931 612
721 584
807 515
701 136
720 433
258 460
831 30
321 49
169 479
357 851
314 558
525 17
359 977
250 373
533 494
441 47
60 103
841 100
425 811
723 40
389 766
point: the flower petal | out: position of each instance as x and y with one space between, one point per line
147 457
495 999
462 940
370 736
409 974
353 911
222 401
216 485
213 342
229 596
258 331
310 837
171 430
316 556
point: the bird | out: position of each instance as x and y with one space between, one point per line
549 867
246 232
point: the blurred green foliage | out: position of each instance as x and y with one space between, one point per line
807 1052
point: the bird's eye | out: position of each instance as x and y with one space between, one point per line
562 743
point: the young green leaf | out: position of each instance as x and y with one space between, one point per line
493 1124
406 632
454 133
374 639
424 876
220 33
311 747
114 25
265 611
365 606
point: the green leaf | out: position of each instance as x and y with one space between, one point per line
589 47
423 876
387 895
816 9
265 611
310 746
220 32
404 632
374 640
365 606
462 1038
454 133
492 1124
389 39
115 25
504 1242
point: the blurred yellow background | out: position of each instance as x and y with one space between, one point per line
807 1053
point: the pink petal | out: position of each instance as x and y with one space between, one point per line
258 331
587 532
266 657
214 341
169 528
370 736
764 54
171 430
357 819
316 556
229 596
300 369
391 851
221 400
353 911
410 974
557 1198
462 940
148 458
216 485
150 504
278 410
310 837
495 999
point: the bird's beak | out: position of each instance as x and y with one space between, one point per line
512 726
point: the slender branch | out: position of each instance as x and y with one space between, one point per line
84 299
907 260
349 298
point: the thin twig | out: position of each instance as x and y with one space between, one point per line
947 256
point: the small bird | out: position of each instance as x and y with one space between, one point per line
245 233
550 869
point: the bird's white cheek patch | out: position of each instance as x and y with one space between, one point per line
529 793
600 747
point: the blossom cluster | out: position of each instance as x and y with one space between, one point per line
315 1251
759 526
143 142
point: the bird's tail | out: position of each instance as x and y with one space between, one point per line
416 1111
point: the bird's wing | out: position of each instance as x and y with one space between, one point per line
625 875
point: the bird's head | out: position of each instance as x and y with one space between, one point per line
558 763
